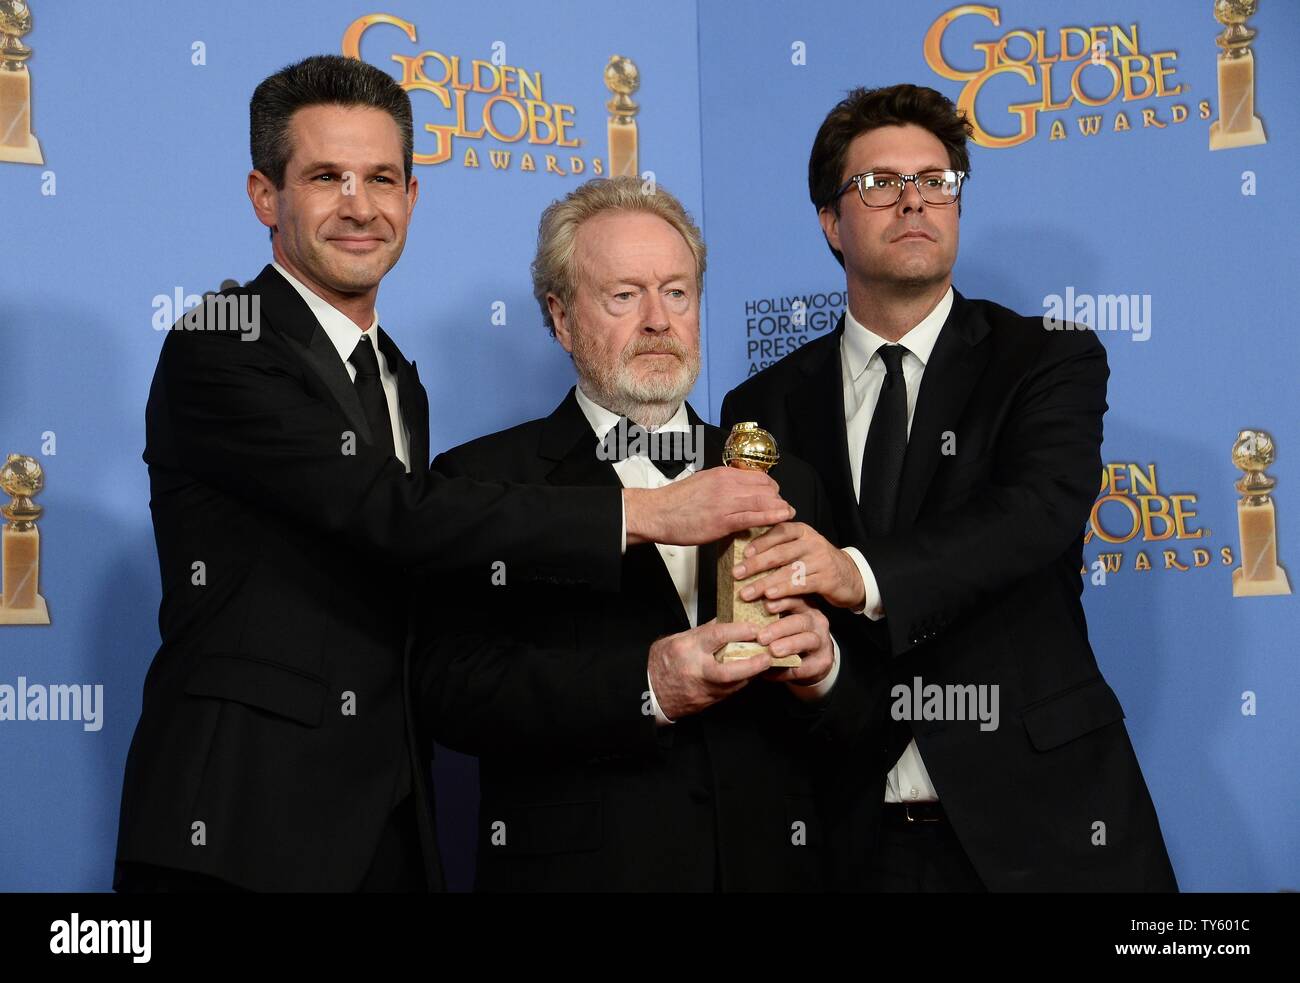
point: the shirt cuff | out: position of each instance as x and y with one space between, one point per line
622 502
822 689
871 605
661 719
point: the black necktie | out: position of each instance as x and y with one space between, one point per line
882 458
371 390
665 449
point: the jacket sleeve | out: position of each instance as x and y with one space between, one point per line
240 419
1036 504
488 686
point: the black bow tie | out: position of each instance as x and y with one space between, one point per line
667 450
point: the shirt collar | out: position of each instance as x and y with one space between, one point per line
860 342
603 420
341 330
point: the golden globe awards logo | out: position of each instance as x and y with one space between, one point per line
1062 69
464 103
1131 508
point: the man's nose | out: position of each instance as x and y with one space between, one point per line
354 200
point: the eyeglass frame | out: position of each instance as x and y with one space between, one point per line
856 179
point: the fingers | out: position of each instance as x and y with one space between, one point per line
771 559
782 533
750 520
781 605
737 670
715 634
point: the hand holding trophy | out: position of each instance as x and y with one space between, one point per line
750 447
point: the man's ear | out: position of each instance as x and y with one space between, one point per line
830 227
264 196
560 318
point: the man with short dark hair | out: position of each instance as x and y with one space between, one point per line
960 445
287 441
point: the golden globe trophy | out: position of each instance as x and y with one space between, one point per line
21 477
748 446
17 142
622 79
1237 125
1259 574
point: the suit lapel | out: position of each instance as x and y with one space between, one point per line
411 399
821 436
955 366
294 319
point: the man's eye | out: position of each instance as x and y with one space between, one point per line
678 292
327 177
623 295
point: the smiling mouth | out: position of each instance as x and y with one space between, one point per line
357 245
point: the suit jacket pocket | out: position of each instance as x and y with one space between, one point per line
261 684
542 828
1071 713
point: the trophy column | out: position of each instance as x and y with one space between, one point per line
1237 125
748 446
1259 573
17 142
622 79
21 477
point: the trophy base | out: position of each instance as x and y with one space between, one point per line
1276 584
1249 137
733 651
37 614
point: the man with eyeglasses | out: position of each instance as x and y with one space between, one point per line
979 747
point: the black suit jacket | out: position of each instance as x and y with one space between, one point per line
274 738
980 585
547 685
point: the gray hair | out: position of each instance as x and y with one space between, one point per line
553 266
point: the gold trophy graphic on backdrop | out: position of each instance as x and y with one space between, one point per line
748 446
17 142
1237 125
1259 573
622 79
22 604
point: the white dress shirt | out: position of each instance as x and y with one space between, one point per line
682 562
344 334
863 377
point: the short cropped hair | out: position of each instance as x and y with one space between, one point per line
869 109
321 80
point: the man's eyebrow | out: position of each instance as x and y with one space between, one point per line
329 165
920 170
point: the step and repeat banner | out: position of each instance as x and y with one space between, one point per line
1111 186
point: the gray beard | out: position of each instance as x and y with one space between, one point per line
651 404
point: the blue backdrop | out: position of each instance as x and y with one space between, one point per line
143 124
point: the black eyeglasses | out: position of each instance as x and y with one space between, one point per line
884 189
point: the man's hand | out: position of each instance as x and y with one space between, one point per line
704 507
802 629
804 562
685 676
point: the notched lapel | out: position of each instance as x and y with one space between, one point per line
956 364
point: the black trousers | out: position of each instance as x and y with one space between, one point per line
398 866
921 858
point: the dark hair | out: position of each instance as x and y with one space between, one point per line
315 81
869 109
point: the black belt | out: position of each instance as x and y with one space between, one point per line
913 814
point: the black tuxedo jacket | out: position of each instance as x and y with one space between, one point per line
980 585
275 738
547 685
